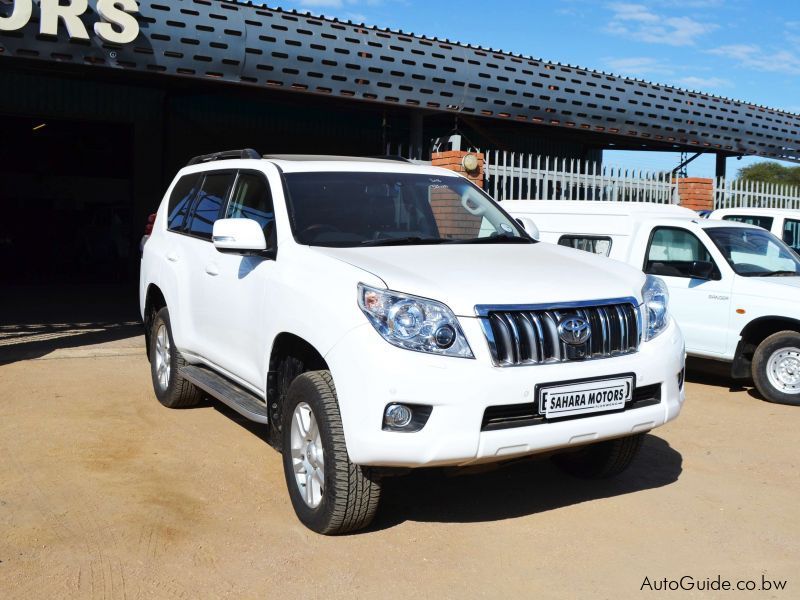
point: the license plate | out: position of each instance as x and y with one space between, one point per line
571 398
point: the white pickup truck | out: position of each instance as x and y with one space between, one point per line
734 288
783 222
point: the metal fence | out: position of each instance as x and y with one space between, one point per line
515 176
739 193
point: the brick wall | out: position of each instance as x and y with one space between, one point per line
696 193
451 218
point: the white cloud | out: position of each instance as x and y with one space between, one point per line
639 22
639 66
706 84
753 56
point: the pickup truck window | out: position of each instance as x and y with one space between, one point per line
758 221
791 234
673 252
370 209
599 245
209 202
754 252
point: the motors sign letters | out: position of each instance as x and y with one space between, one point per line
117 24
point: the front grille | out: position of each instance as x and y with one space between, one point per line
521 336
507 416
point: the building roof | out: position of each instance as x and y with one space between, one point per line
250 44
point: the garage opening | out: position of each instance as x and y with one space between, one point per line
67 201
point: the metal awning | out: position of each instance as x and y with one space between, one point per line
248 44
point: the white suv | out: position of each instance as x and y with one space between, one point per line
375 314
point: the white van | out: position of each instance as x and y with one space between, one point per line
734 288
783 222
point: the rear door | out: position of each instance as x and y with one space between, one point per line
701 306
203 300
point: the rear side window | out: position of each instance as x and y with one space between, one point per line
209 203
180 201
252 199
763 222
600 245
791 234
673 251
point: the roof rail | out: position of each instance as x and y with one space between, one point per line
226 155
394 157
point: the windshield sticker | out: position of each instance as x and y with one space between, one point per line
506 227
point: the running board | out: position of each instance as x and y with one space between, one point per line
239 399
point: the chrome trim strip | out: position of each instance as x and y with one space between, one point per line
483 310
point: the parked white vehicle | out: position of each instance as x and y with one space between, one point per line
783 222
376 314
734 288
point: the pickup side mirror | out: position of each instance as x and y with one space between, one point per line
702 269
239 236
529 226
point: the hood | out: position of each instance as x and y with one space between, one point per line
777 288
463 275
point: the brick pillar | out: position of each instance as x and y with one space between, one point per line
696 193
452 160
453 221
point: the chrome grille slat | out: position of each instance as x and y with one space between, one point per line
525 336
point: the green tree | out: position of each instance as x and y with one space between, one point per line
770 172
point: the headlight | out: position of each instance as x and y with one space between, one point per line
413 323
655 303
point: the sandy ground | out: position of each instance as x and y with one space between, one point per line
106 494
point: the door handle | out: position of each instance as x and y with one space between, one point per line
172 257
212 269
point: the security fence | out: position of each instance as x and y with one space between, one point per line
737 193
515 176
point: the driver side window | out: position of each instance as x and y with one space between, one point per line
674 252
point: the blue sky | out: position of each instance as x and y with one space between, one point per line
742 49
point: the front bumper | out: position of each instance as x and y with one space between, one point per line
369 373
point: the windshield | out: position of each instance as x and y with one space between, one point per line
349 209
754 252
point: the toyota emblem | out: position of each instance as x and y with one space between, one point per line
574 330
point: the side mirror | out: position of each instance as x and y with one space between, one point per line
701 269
239 236
529 226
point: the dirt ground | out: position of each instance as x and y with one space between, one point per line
106 494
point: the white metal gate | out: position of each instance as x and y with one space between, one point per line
515 176
738 193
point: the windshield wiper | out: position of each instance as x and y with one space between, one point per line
411 240
496 239
781 274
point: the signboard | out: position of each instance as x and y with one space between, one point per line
116 24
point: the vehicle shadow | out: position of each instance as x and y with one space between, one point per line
716 373
526 487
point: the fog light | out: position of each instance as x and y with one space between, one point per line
445 336
397 416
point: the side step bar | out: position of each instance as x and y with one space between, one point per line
239 399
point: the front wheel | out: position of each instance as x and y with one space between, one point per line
602 459
776 368
330 494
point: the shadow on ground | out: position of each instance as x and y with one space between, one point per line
38 320
516 489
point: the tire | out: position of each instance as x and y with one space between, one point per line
172 390
342 497
776 368
601 460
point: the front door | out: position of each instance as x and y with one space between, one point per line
701 306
